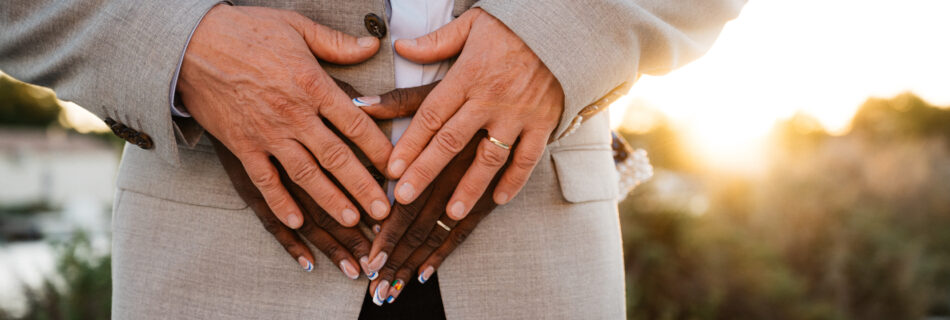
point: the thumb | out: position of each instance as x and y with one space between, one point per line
440 44
332 45
398 103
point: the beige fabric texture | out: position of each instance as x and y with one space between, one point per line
186 247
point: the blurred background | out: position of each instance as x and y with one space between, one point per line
802 171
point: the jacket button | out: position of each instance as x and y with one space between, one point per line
375 25
141 140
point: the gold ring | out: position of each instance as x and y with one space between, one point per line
499 143
441 224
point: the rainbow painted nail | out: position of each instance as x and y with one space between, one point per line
397 285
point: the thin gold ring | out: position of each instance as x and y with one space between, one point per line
441 224
499 143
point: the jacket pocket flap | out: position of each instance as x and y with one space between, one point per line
586 173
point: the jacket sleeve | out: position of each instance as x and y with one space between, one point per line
592 47
116 58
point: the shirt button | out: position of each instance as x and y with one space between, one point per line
375 25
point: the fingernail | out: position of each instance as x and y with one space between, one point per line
457 210
349 269
381 290
501 198
377 298
306 264
350 217
376 228
294 221
366 101
426 274
379 209
394 291
397 167
372 275
407 192
366 42
364 262
378 262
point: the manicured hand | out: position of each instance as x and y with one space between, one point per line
251 78
497 84
418 236
341 244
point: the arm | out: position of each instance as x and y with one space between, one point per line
593 47
116 58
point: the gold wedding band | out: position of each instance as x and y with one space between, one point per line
441 224
499 143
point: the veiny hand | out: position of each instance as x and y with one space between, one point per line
340 244
497 84
417 242
251 79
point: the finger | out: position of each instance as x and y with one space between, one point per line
246 190
440 44
441 103
267 181
352 122
304 171
337 158
526 156
401 102
335 251
489 158
402 280
380 291
446 143
455 237
332 45
347 88
392 231
351 238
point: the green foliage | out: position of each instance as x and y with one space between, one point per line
22 104
85 289
841 227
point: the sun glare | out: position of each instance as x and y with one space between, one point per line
823 58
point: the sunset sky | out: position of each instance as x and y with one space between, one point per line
818 56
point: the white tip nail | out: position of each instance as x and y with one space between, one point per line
349 270
376 299
306 264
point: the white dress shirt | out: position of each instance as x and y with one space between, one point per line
408 19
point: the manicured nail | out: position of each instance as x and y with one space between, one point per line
379 209
376 299
378 262
350 217
366 42
407 192
306 264
381 290
397 167
366 101
364 262
424 276
349 269
501 198
457 210
294 221
372 275
395 290
376 228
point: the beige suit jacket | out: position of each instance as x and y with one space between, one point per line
186 246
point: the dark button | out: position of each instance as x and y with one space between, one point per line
375 25
128 134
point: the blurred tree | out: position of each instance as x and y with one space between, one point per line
22 104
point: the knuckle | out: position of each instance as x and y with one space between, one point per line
304 174
469 189
500 86
267 182
334 252
430 120
354 243
310 82
526 160
458 237
334 156
356 127
324 221
363 187
493 157
415 237
283 106
450 140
